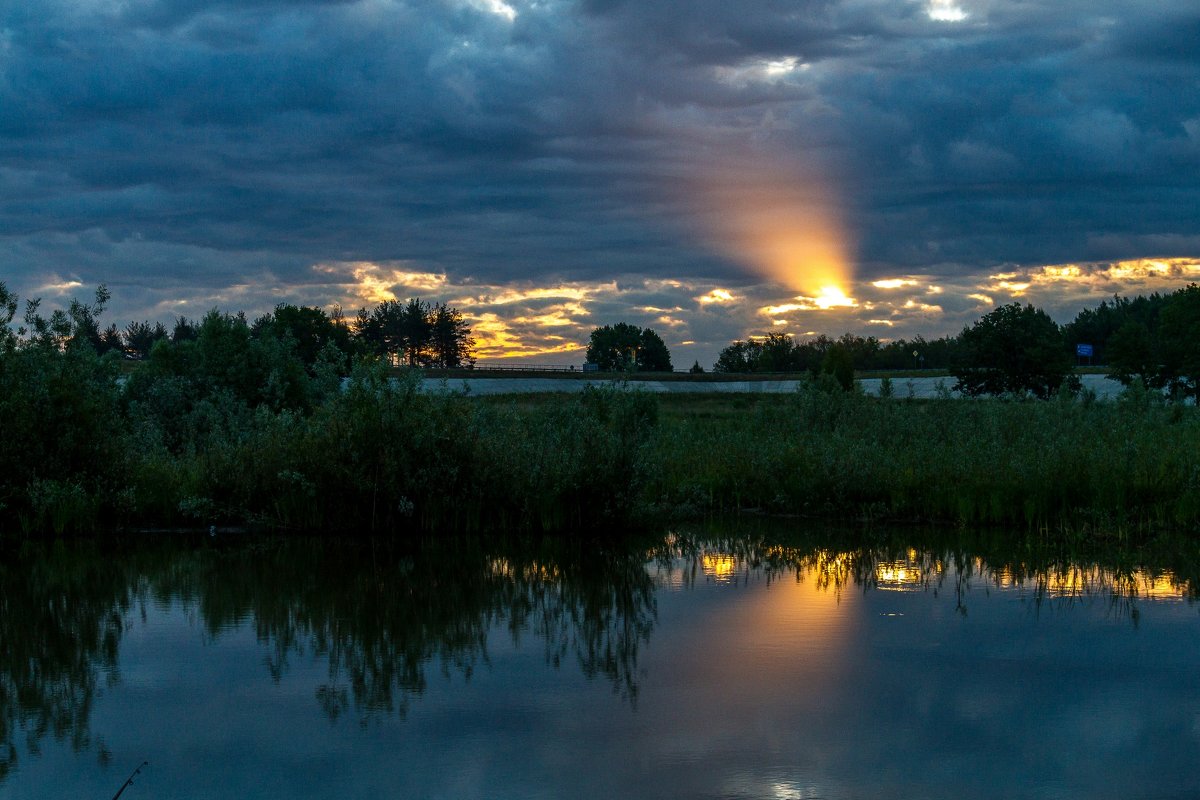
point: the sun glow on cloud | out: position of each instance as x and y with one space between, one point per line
495 338
497 7
530 321
759 70
1003 282
509 296
829 297
375 283
718 296
1142 274
945 11
59 286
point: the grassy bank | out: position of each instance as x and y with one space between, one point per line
167 449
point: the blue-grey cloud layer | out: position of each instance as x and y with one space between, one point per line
214 139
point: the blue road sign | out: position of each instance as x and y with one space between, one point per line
1083 350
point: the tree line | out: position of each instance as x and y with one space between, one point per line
1148 339
289 422
411 333
1154 340
232 422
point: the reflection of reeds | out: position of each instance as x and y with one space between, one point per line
1030 566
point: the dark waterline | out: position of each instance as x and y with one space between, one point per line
695 665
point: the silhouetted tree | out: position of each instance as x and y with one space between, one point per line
1179 342
614 347
59 413
111 341
737 357
628 347
139 337
416 333
652 354
85 320
839 362
1014 348
1130 353
311 331
8 311
1097 326
775 352
451 344
184 330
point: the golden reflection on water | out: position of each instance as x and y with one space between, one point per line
532 571
1076 581
912 570
911 573
793 628
718 567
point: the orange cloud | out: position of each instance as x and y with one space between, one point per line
716 296
829 297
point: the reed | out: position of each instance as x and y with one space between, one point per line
384 456
1101 466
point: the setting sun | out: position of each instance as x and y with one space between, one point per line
833 297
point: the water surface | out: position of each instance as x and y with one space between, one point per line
692 665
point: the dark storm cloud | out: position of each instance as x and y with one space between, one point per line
177 144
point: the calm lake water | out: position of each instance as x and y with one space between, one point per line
755 665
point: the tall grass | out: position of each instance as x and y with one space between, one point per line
1106 466
383 456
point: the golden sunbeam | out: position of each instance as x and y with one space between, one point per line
780 220
798 247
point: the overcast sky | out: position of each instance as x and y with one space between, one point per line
712 169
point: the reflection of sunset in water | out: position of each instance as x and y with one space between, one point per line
791 612
720 567
1076 581
919 571
913 570
906 575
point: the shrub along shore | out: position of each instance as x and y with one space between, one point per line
250 425
83 451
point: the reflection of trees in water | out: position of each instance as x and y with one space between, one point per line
61 620
381 615
1045 571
